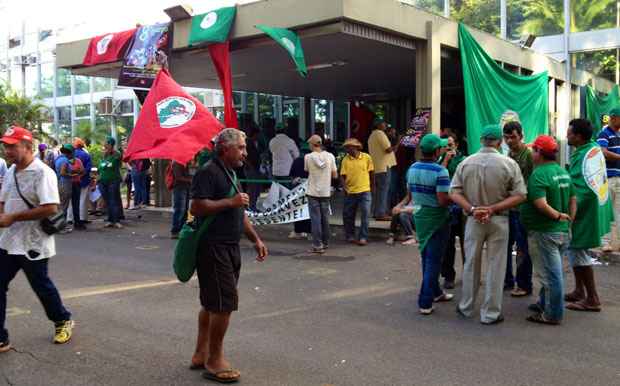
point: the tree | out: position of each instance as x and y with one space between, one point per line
16 109
544 17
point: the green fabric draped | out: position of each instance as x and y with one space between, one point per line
597 106
490 91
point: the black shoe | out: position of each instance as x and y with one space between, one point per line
447 284
499 320
535 307
5 346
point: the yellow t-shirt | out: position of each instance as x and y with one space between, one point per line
357 172
378 142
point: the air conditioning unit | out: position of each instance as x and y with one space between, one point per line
106 106
31 60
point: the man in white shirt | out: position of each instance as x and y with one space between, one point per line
284 151
321 168
23 244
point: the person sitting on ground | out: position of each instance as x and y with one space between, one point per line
402 217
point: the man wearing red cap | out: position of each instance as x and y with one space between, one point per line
551 204
23 244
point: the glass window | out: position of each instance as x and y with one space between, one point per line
435 6
125 106
82 110
82 85
290 108
63 82
266 106
47 80
341 120
587 15
32 83
600 63
124 126
102 84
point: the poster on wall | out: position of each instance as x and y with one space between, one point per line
419 126
148 53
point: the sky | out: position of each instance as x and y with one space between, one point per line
87 18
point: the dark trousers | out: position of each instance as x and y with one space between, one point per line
76 190
456 228
517 234
111 195
180 203
37 275
431 265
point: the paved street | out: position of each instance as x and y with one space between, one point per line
346 318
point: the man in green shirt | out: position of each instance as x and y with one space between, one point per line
594 213
110 182
513 136
551 204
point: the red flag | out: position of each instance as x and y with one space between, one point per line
107 48
172 124
220 54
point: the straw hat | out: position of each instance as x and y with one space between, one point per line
353 142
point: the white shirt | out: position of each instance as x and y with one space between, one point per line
38 183
284 151
320 167
3 169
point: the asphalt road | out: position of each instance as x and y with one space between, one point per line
346 318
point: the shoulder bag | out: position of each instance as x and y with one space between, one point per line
50 225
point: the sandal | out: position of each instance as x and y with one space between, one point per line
539 318
572 297
196 366
223 376
582 306
519 293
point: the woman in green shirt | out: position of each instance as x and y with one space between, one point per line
110 181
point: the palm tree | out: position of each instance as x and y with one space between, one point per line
16 109
544 17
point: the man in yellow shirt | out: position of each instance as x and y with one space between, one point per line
383 158
357 173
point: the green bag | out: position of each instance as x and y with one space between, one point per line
186 250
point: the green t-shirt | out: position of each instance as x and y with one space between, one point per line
552 182
525 161
593 217
110 168
453 163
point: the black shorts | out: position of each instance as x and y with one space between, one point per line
218 268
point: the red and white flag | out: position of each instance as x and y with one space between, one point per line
172 124
107 48
220 54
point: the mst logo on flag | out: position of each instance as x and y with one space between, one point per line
212 27
103 44
175 111
107 48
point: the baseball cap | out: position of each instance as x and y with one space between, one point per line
377 121
615 112
315 140
15 134
68 147
546 144
110 141
491 132
432 142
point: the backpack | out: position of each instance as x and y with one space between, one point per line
169 177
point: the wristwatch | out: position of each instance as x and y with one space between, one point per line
471 210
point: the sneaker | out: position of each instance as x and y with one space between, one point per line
118 225
426 311
108 225
5 346
66 231
445 297
64 331
317 250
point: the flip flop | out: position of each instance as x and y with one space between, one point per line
570 297
581 306
217 376
195 366
539 318
519 293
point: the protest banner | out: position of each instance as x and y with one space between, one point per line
148 53
291 207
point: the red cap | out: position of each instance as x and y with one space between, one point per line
15 134
546 144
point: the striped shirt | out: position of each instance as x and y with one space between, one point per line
425 180
610 140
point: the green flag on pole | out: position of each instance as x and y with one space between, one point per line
598 107
212 26
290 42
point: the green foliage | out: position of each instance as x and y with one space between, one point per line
16 109
96 153
544 17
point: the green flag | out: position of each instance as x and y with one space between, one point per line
212 26
597 107
491 90
290 42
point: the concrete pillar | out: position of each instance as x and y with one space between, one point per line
330 117
302 116
564 116
428 75
93 118
256 112
503 19
72 82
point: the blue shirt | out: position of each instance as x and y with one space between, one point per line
425 180
59 163
87 163
610 140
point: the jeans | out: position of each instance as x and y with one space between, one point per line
456 228
349 212
319 216
111 194
180 205
139 186
431 265
546 252
76 191
517 234
396 187
403 220
382 188
36 273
